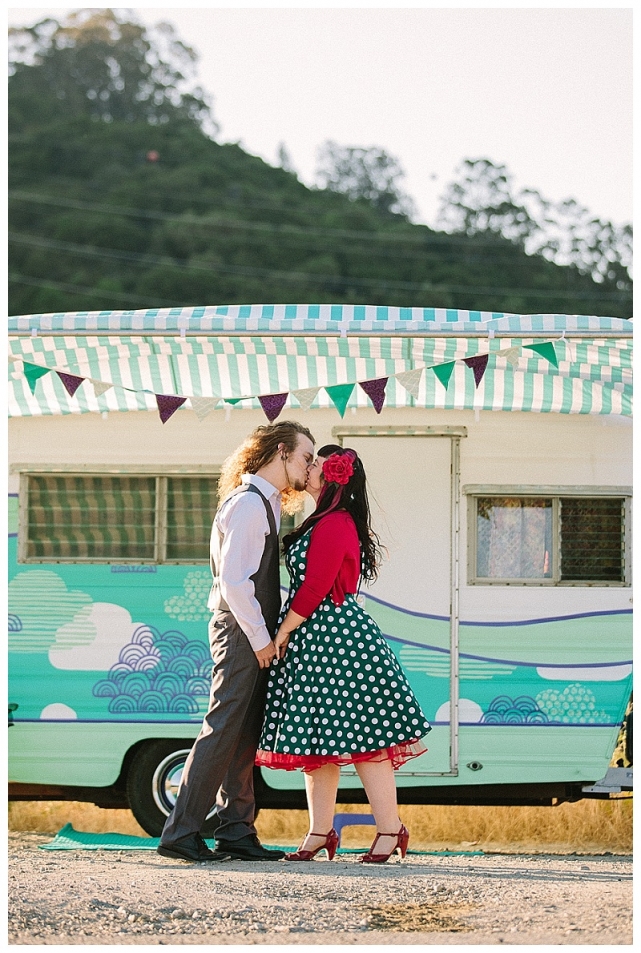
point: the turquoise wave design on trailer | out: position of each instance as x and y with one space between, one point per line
579 640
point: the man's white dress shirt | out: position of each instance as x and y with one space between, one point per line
243 522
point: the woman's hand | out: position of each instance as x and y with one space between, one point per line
291 621
281 642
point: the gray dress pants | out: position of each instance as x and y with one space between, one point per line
220 765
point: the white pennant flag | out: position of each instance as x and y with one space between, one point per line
306 397
410 380
100 387
201 406
16 366
511 355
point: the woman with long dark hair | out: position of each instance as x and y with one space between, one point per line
337 694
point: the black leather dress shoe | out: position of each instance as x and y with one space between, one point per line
192 848
248 848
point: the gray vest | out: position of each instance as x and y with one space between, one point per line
266 579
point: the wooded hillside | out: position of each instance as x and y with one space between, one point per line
141 207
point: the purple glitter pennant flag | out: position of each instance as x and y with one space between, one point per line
167 405
71 382
478 365
375 390
272 404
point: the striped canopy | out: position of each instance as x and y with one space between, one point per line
542 363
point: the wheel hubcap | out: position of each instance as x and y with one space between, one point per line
166 781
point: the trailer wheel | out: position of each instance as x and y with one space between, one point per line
152 785
628 737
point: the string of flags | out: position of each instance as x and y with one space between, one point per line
272 404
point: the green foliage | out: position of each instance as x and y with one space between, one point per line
106 67
483 200
95 223
371 175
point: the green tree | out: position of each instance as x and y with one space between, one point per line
284 159
370 174
483 200
101 63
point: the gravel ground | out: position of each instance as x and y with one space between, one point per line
130 897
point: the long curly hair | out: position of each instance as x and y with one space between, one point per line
352 498
255 452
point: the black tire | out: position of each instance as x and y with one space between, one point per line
152 781
628 737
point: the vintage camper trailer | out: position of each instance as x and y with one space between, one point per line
498 451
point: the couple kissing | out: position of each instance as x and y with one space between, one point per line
310 685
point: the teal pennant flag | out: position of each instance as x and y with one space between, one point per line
546 350
339 395
33 373
444 372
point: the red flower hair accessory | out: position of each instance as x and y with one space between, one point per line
339 468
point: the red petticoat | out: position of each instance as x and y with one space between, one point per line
397 754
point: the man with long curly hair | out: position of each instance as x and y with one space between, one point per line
268 471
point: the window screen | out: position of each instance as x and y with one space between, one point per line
191 507
592 540
91 517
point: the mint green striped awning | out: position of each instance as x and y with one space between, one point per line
241 352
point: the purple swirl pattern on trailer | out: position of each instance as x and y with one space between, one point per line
522 710
157 673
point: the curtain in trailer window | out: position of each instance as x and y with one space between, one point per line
191 507
514 538
91 517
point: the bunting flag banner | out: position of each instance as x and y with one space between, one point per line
168 405
546 350
100 387
578 364
306 397
478 363
375 390
339 394
71 382
33 373
411 380
202 406
272 404
444 372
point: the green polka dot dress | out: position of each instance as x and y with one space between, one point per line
339 694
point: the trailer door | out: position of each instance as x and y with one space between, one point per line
413 484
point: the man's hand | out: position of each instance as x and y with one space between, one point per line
281 642
266 655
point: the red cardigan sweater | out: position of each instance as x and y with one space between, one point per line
333 563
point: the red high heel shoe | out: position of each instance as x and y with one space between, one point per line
402 840
330 844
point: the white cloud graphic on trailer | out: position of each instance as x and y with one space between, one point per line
92 641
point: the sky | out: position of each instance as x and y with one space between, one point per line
546 91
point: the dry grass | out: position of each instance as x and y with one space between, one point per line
585 826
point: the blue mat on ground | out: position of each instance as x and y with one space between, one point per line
69 839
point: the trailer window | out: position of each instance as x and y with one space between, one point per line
191 507
514 538
554 540
592 540
117 518
91 517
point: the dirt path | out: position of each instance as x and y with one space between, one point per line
102 897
